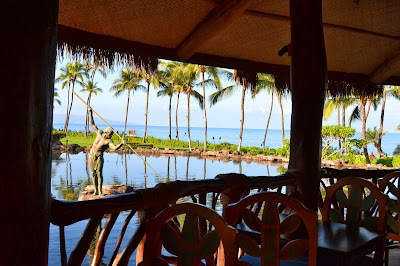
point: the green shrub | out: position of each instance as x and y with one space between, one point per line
396 161
353 158
388 161
252 150
57 136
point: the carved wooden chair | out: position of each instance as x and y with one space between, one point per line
357 202
390 185
186 244
270 250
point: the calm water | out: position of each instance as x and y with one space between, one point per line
251 137
70 175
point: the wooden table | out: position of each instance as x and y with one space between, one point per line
340 243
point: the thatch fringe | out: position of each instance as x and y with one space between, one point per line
245 78
282 83
360 87
107 59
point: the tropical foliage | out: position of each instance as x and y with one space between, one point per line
129 82
175 78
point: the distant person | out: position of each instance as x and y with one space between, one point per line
78 131
96 161
372 156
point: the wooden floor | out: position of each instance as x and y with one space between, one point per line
394 257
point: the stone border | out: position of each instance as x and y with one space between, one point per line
224 155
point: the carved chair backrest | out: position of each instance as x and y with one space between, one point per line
350 201
186 243
271 228
390 185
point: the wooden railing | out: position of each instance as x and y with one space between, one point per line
225 188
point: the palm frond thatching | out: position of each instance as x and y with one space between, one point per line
245 78
107 59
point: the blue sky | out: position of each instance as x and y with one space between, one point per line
225 114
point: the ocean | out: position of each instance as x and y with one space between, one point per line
251 137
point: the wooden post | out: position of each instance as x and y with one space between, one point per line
308 86
28 53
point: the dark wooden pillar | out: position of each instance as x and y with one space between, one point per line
308 85
27 56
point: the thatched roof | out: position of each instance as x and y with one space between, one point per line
362 38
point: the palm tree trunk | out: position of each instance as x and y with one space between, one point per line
364 122
343 124
283 126
176 116
379 142
126 115
205 114
188 118
170 104
269 118
66 115
145 116
87 116
241 121
369 107
338 122
70 107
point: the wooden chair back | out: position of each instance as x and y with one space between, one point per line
271 228
390 185
350 201
186 244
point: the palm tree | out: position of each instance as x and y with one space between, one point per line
360 112
167 77
92 88
372 136
71 74
167 90
338 103
242 79
150 77
57 96
128 81
393 91
280 94
214 73
265 81
187 75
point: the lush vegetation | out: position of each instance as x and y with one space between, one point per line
331 133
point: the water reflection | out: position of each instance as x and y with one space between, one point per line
70 172
92 247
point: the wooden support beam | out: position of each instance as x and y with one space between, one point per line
28 55
222 16
308 86
389 68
